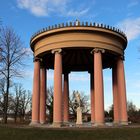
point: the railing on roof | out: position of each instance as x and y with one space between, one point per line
78 24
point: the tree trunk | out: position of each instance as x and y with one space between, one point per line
16 111
6 101
7 93
15 117
5 109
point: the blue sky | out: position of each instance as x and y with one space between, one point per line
28 16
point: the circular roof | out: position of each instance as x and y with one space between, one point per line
77 40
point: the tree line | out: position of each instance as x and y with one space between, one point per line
132 111
19 102
19 105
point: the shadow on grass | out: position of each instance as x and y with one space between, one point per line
10 133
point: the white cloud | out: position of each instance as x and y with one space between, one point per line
132 4
36 7
50 75
136 94
28 73
107 78
137 73
84 77
131 27
135 84
28 52
79 77
77 13
133 81
58 2
47 7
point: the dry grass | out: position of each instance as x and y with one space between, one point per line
27 133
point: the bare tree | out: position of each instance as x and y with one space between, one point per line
49 103
2 93
21 100
12 54
132 112
16 99
111 111
2 96
84 101
25 103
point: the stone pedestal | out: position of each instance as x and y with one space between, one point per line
79 116
57 124
33 123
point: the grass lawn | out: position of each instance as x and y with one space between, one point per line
124 133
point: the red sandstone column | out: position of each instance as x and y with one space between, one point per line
66 98
43 95
115 94
35 96
122 92
92 98
98 87
57 104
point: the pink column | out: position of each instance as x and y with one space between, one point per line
92 98
35 96
57 104
43 95
115 94
66 98
98 87
122 92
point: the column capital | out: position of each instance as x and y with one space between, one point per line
42 65
119 57
66 72
56 51
36 59
122 57
97 50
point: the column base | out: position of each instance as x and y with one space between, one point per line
96 124
66 123
79 125
42 122
92 123
34 123
57 124
124 123
116 123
